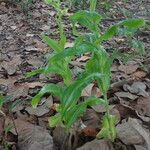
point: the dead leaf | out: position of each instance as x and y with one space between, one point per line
128 134
139 147
99 108
12 66
89 131
32 137
126 95
39 111
132 132
88 90
136 88
69 44
139 74
83 58
91 119
128 69
143 106
2 122
18 90
35 61
97 145
34 84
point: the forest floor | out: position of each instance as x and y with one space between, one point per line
22 50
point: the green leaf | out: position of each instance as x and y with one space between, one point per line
72 115
49 88
2 100
76 50
53 44
133 23
76 111
55 120
109 33
35 72
95 101
87 19
108 130
102 63
73 92
61 68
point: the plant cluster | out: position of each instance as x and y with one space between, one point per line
97 67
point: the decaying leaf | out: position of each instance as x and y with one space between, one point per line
128 69
139 74
126 95
143 106
97 145
12 66
132 132
32 137
138 88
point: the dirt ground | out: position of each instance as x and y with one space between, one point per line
22 50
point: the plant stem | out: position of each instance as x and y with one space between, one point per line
107 104
93 5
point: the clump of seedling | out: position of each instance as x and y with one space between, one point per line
97 67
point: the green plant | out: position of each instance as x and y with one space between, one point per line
97 68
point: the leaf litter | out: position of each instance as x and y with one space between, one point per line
22 50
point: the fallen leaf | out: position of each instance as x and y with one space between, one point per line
83 58
12 66
128 69
132 132
34 84
97 145
128 134
32 137
139 74
39 111
91 132
136 88
140 147
88 90
18 90
69 44
35 61
99 108
2 122
126 95
143 106
91 119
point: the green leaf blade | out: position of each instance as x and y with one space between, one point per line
49 88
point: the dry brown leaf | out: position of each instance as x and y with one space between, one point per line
139 74
83 58
2 122
143 106
12 66
35 61
39 111
88 90
34 84
69 44
126 95
128 134
97 145
132 132
128 69
89 131
18 90
32 137
137 88
91 119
